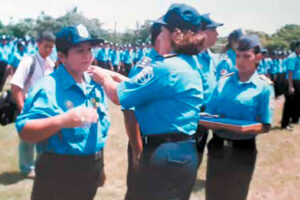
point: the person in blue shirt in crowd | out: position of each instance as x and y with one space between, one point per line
5 52
243 95
66 115
227 65
264 62
17 56
115 57
167 95
291 109
208 63
127 59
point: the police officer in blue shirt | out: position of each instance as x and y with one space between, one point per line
291 109
167 96
208 64
244 95
17 56
66 115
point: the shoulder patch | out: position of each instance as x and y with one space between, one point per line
145 76
227 75
265 78
171 55
144 62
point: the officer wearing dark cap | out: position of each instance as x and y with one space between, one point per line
245 96
233 39
291 110
166 96
66 115
208 64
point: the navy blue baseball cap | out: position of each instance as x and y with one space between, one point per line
181 16
235 35
248 42
208 23
68 37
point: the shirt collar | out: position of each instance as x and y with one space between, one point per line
68 81
253 79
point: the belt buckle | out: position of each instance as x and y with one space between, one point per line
146 140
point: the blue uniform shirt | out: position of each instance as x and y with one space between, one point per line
167 96
224 66
232 56
56 94
252 100
294 65
208 64
16 58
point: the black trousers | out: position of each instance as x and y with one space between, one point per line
230 167
291 109
61 177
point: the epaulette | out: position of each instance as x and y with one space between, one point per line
227 75
144 62
171 55
265 78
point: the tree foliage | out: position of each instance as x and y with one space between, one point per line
283 39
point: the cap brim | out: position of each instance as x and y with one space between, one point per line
214 25
159 21
93 42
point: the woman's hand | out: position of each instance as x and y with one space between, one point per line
79 116
98 74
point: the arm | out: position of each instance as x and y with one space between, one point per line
290 82
133 132
39 129
18 95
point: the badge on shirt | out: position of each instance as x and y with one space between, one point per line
95 102
145 76
69 104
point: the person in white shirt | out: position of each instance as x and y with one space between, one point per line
29 71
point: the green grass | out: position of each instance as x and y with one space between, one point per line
277 167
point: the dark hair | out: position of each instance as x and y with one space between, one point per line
46 36
257 49
192 43
155 31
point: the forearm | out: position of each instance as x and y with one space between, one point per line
37 130
290 79
18 96
111 89
133 131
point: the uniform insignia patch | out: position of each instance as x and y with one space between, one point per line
82 31
144 62
69 104
144 76
223 72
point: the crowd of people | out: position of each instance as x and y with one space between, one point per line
161 88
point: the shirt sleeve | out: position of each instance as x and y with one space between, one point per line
266 109
37 105
146 86
21 73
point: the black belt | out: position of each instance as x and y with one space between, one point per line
91 157
170 137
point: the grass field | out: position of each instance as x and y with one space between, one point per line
276 176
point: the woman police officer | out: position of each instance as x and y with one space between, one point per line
166 95
66 114
243 95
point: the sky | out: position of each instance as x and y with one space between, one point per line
260 15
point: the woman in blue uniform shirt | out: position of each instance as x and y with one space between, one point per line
66 115
244 95
166 95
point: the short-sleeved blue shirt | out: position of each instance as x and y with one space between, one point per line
252 100
56 94
167 96
294 65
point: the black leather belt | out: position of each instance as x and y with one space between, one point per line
170 137
91 157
